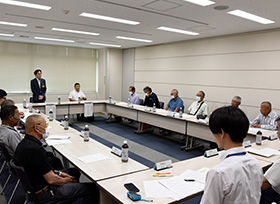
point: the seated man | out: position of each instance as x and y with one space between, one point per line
150 98
133 97
75 95
267 118
9 136
271 183
236 101
175 102
238 177
49 185
199 107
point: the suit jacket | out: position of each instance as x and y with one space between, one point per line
150 100
37 91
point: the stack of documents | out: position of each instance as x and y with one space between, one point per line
92 158
57 140
178 187
266 152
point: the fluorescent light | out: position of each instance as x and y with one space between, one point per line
177 30
24 4
201 2
106 45
54 39
13 24
250 16
133 39
8 35
107 18
74 31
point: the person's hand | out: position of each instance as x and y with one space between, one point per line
256 126
21 113
18 127
41 97
65 175
68 180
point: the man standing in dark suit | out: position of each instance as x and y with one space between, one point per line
38 87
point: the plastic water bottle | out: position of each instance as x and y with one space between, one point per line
24 103
86 133
79 100
125 151
154 108
51 115
259 138
110 99
128 101
66 123
30 108
180 112
59 100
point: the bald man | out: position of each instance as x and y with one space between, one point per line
267 118
49 185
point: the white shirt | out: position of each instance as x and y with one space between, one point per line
273 176
75 95
39 82
236 180
267 122
202 111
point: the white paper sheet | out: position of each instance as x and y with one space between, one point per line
92 158
153 189
88 109
199 175
266 152
182 188
57 142
58 137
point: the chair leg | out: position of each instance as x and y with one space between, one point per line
8 179
13 193
2 167
25 202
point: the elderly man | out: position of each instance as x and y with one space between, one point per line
49 185
150 97
271 183
267 118
175 102
236 101
199 107
133 97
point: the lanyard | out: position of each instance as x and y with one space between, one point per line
236 154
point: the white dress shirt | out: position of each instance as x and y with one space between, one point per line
267 122
236 180
75 95
273 176
202 111
39 82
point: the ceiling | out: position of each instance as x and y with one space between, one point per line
151 14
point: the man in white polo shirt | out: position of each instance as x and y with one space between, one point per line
75 95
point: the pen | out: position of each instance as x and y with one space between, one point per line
189 180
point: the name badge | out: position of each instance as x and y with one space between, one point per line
116 151
163 165
273 137
130 106
148 109
211 153
246 144
171 114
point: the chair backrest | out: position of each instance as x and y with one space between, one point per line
141 101
161 104
5 153
31 99
27 187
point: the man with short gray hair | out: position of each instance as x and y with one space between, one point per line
175 102
236 101
267 118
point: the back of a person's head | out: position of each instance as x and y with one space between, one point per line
7 102
232 120
7 111
2 93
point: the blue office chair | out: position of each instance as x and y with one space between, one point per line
161 105
141 102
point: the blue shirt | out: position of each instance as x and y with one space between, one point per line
174 104
134 99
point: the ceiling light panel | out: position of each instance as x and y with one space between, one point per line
24 4
53 39
133 39
105 45
201 2
107 18
75 31
249 16
13 24
177 30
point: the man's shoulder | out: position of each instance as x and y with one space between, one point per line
34 79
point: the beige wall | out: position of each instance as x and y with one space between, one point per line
61 66
244 64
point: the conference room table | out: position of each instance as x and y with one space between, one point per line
115 191
187 125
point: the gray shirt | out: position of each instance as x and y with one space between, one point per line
10 138
267 122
